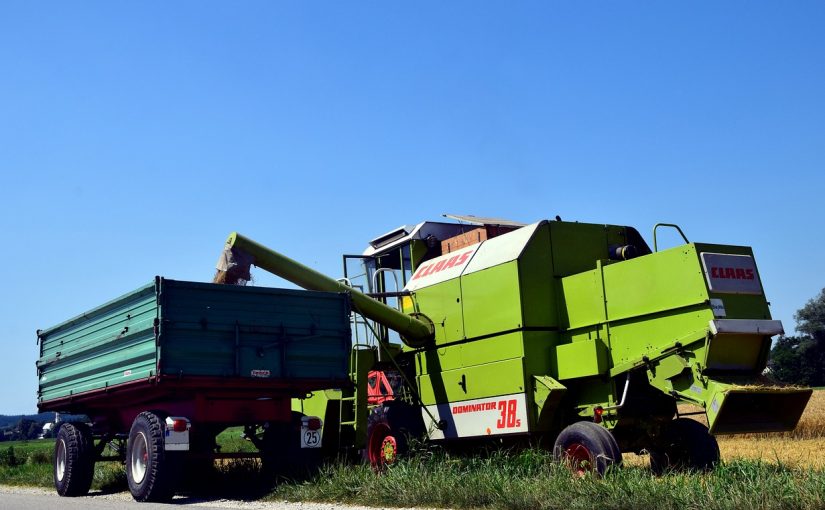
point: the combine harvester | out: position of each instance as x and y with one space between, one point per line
571 335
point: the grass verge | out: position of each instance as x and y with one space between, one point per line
501 479
529 480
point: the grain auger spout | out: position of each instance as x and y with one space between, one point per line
241 252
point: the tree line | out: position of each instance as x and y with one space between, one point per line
23 427
800 359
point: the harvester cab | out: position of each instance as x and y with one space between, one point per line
387 265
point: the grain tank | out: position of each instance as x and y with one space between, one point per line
574 335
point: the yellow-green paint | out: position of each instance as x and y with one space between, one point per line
586 358
561 321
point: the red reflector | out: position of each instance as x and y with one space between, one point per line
179 425
314 423
597 414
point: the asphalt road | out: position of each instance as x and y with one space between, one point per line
14 498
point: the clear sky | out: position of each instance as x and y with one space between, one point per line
134 136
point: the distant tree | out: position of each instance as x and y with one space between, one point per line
785 359
810 319
801 359
27 429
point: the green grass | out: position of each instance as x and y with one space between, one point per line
29 463
529 480
501 479
231 441
28 446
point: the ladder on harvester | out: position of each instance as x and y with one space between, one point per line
353 403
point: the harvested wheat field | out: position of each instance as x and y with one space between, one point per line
802 447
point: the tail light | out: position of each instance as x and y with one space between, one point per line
597 414
312 422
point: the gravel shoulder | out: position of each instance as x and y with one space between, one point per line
118 500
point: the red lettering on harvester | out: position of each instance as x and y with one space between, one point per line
732 273
454 261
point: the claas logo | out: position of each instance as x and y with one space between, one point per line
731 273
441 265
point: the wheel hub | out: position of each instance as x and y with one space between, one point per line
579 458
60 460
140 458
389 450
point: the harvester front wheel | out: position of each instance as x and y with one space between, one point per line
388 429
587 447
686 445
74 460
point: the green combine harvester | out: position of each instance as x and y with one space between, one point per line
571 335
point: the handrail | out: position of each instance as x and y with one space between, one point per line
673 225
384 270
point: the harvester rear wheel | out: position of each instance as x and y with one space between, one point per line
388 428
685 445
587 447
615 451
74 460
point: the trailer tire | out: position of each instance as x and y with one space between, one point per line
151 471
389 428
686 445
584 447
74 460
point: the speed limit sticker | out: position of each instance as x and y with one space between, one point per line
310 438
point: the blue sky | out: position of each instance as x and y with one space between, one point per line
135 136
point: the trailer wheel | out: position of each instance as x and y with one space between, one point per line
584 447
686 445
150 470
388 428
74 461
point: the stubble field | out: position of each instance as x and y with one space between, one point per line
804 447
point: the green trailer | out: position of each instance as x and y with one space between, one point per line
160 371
572 335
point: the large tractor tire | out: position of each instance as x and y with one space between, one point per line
685 445
74 460
151 471
586 447
389 428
